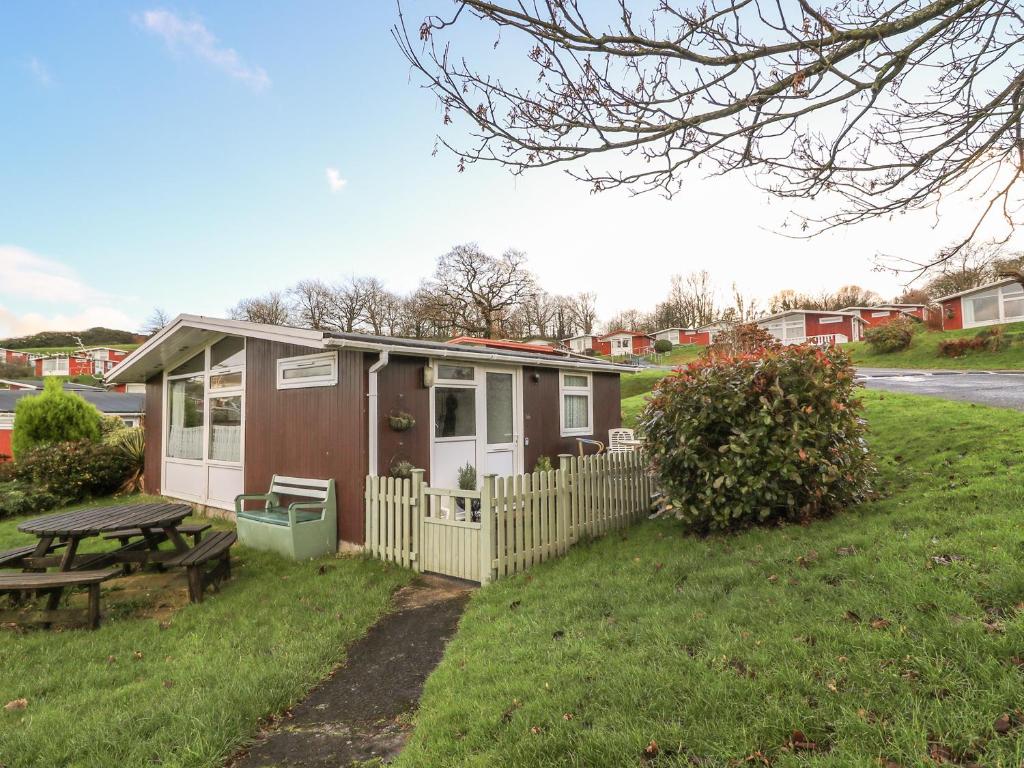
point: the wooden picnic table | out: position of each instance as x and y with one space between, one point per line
156 521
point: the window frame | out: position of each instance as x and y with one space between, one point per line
206 373
438 378
832 320
303 361
564 390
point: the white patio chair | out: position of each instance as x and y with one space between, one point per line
621 440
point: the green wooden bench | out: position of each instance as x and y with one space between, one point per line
53 585
300 530
216 549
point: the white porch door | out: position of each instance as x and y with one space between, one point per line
501 440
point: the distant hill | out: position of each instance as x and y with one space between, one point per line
91 337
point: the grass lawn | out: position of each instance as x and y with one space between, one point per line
891 632
182 685
924 353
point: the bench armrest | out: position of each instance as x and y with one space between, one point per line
295 507
269 499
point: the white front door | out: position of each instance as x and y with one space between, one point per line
476 415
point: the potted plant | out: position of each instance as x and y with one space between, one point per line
467 482
401 421
402 469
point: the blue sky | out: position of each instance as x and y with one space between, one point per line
178 156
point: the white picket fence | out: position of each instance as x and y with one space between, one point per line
509 525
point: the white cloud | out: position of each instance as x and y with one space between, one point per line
27 275
194 37
334 180
13 324
29 280
39 72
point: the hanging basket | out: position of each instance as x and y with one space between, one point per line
401 422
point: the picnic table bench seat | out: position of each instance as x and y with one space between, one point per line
54 583
15 558
195 530
299 529
215 548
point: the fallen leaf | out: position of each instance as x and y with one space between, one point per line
993 627
650 751
168 683
852 616
1002 724
940 753
808 559
558 634
773 578
535 729
111 659
846 551
11 706
137 655
514 604
568 716
879 623
800 742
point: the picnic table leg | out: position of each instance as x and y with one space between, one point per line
68 560
176 538
94 606
53 602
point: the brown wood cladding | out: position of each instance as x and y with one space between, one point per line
154 428
541 413
316 432
400 388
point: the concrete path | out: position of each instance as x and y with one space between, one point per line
356 715
998 388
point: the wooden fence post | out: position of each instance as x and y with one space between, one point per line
564 516
486 529
417 517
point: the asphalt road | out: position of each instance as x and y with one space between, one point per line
1005 390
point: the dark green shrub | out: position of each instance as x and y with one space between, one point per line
18 498
661 346
54 416
75 471
894 336
759 438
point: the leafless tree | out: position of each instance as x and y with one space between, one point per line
884 105
690 302
312 302
476 292
158 318
271 308
853 296
959 268
583 308
377 304
744 309
630 320
347 304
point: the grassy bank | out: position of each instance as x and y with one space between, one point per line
924 353
166 683
891 632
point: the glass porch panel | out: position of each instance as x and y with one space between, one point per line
500 412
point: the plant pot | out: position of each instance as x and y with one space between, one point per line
401 422
474 508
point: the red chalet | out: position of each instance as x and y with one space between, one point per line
886 313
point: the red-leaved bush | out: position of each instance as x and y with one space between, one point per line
758 438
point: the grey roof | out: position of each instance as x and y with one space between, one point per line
478 349
106 402
69 386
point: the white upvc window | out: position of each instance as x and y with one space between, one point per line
997 305
319 370
882 313
831 320
576 403
206 405
6 421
